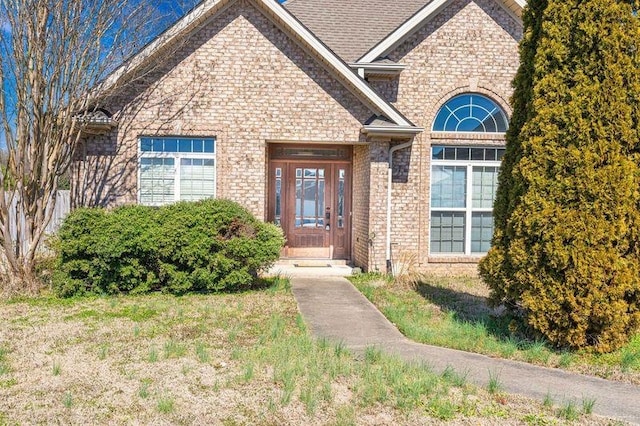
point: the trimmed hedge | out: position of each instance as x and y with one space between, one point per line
211 245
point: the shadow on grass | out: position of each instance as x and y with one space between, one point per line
469 308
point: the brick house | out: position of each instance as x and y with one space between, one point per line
369 130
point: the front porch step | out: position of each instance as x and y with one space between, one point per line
312 268
311 263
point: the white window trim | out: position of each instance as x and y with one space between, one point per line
177 164
469 209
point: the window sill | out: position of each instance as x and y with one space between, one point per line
469 136
475 258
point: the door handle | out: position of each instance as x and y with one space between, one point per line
327 216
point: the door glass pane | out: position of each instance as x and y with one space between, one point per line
340 212
320 210
449 186
310 198
309 205
299 199
278 201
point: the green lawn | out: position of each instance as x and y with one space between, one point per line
452 312
242 358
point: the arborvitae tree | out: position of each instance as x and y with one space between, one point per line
566 249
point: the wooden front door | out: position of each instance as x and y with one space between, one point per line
311 201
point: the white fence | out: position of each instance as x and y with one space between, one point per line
61 210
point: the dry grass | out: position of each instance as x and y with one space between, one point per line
453 312
221 359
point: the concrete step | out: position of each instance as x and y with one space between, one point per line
311 263
307 268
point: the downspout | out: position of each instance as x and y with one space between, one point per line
389 201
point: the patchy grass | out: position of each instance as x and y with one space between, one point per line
453 313
222 359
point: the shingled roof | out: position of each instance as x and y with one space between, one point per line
352 27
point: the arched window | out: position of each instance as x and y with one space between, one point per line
471 112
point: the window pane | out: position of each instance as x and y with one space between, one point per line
449 186
157 182
470 112
485 184
447 232
171 145
197 179
481 232
437 153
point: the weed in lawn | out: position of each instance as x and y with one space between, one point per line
143 391
453 377
6 384
300 324
233 335
136 331
173 349
537 352
538 420
441 408
566 359
345 416
202 353
587 405
56 369
276 327
372 355
630 359
494 386
374 387
4 368
67 400
166 405
186 369
309 398
569 411
548 400
340 349
507 347
248 373
153 354
289 387
3 353
103 351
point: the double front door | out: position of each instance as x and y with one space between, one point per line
311 201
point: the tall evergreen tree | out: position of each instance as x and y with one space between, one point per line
566 249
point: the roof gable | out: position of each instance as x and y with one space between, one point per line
430 10
279 15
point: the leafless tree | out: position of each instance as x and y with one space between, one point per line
53 56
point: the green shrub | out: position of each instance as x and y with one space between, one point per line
210 245
566 248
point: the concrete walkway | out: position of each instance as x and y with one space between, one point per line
334 309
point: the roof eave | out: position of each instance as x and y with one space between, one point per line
392 131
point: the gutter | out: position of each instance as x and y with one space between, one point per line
392 150
393 131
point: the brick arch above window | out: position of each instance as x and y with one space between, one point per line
471 112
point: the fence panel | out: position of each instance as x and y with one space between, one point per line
61 210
